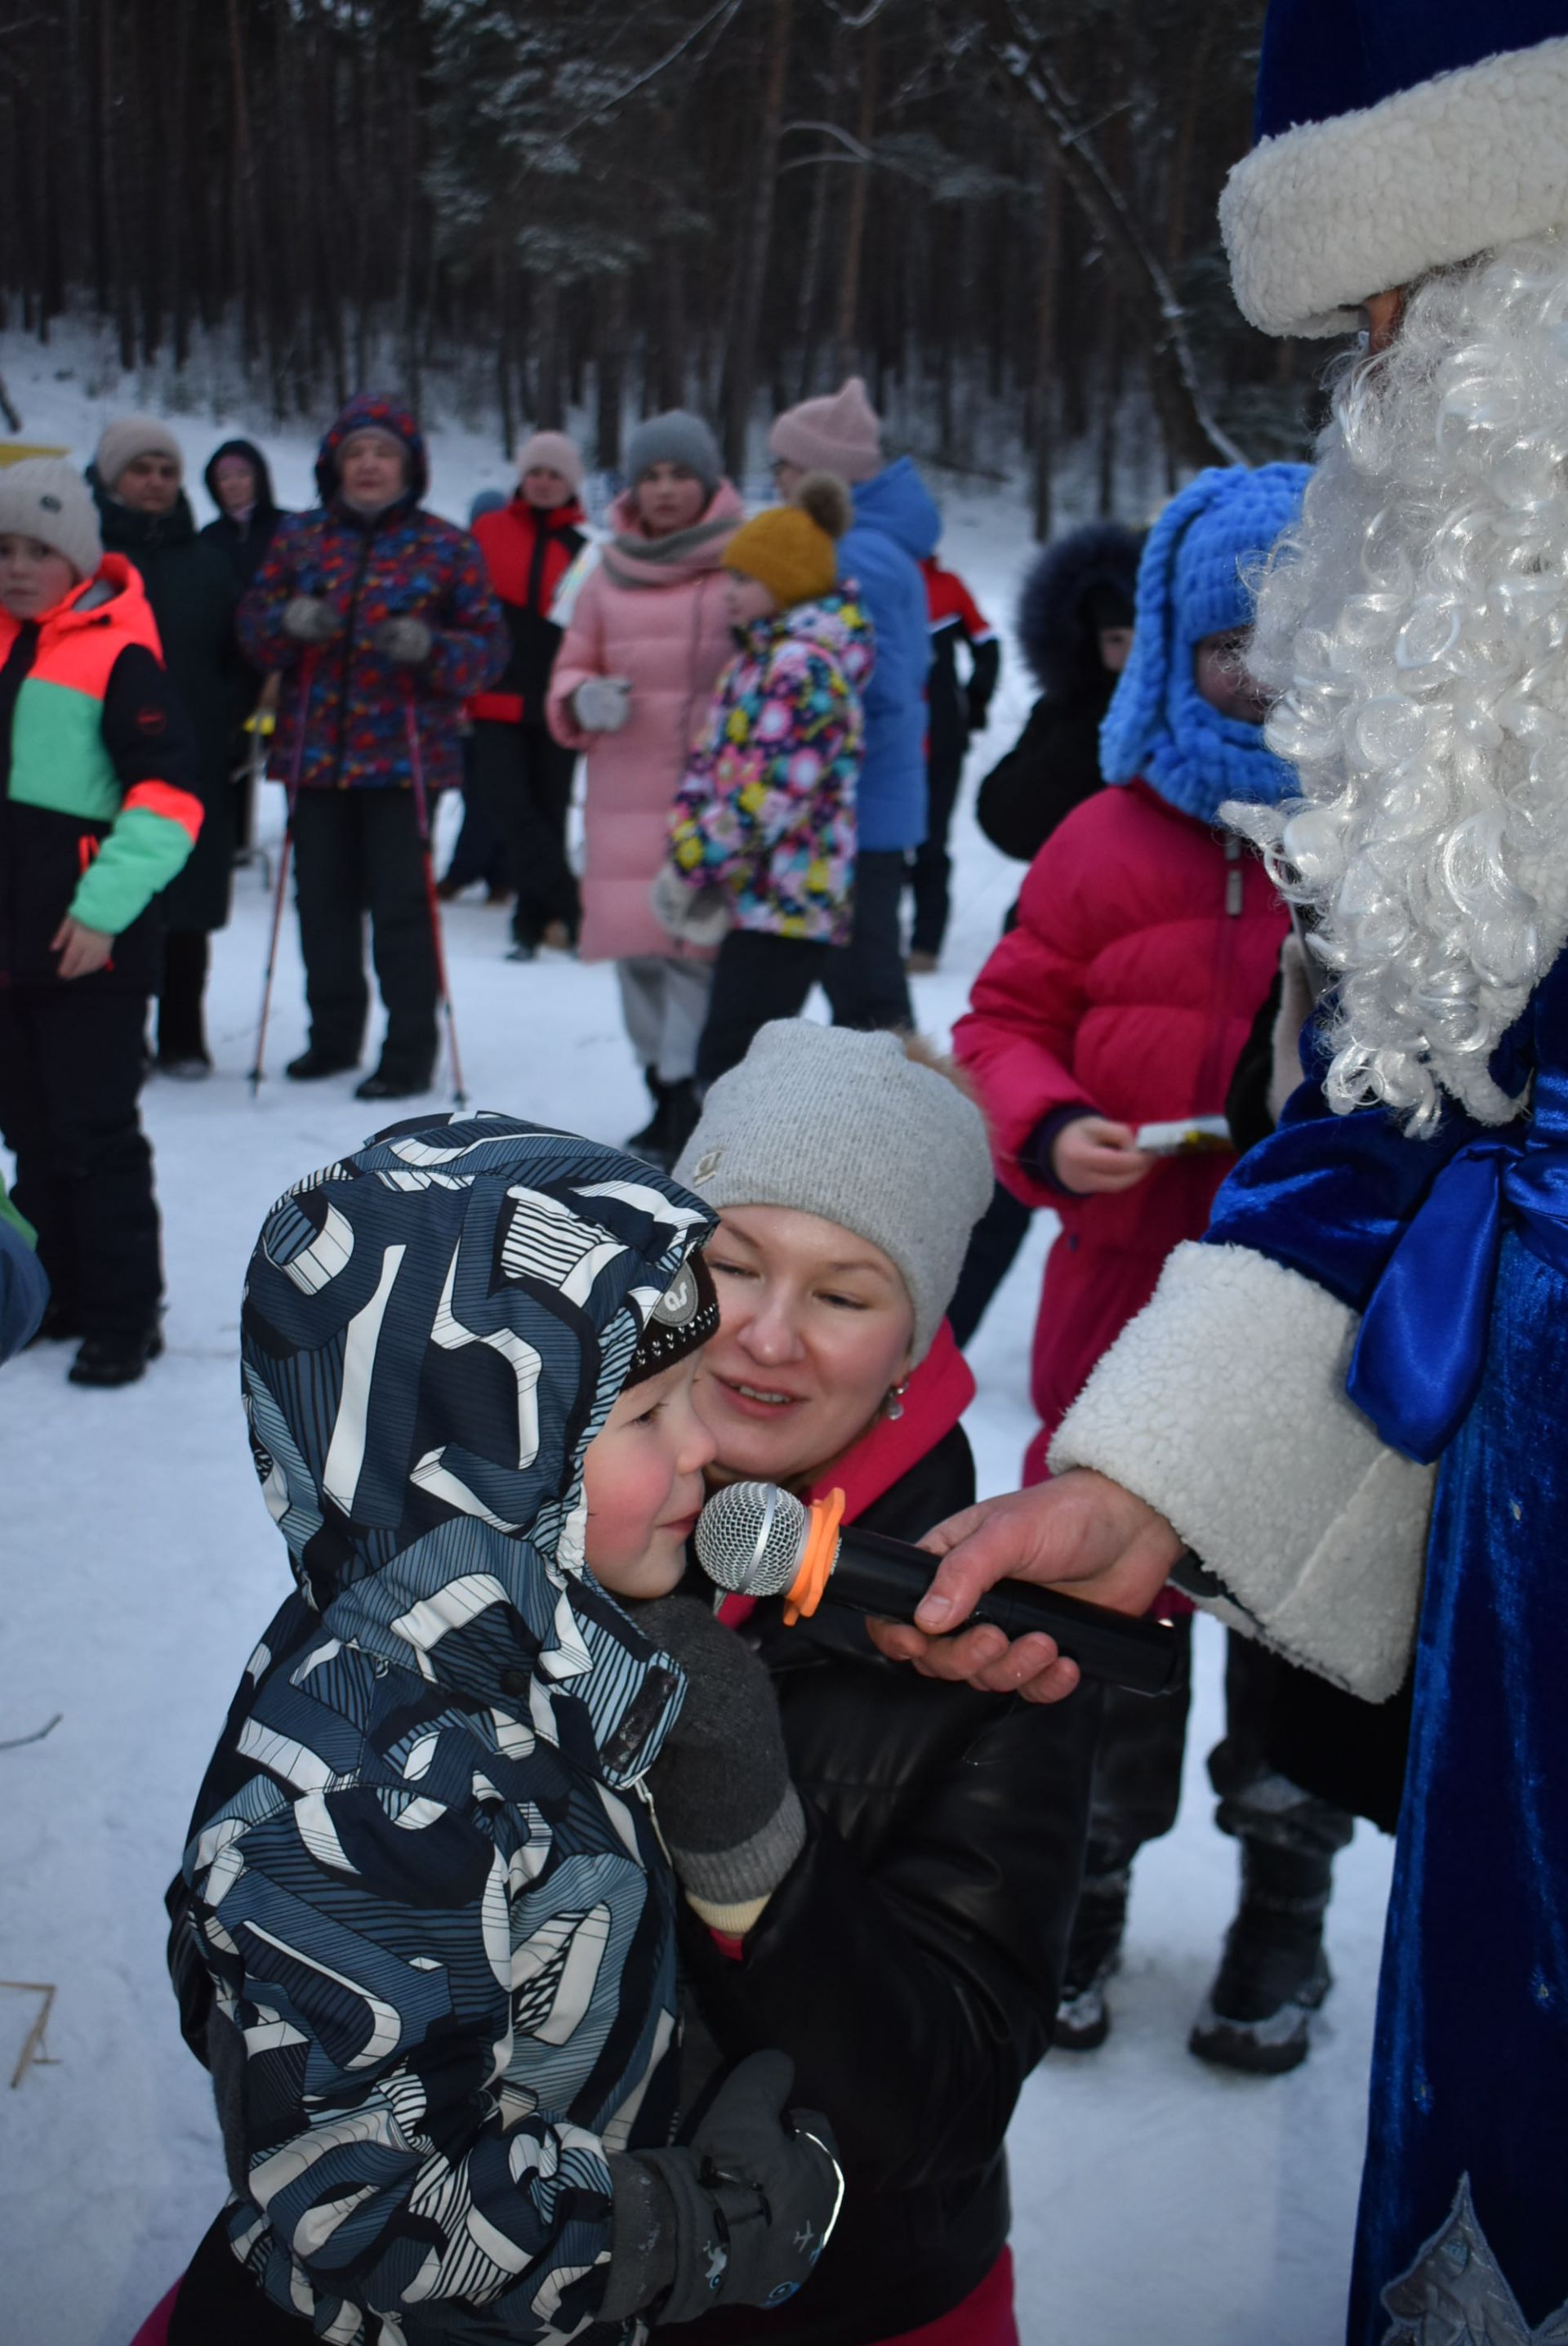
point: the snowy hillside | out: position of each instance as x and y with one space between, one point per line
1156 2200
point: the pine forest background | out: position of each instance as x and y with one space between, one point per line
1001 211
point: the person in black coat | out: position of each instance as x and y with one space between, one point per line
909 1960
239 484
144 514
1075 630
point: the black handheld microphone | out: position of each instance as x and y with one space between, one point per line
761 1541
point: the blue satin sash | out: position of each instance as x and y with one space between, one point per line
1419 1357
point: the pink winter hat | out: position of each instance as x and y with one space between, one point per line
842 435
556 452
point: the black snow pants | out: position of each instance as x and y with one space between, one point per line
359 851
524 782
71 1065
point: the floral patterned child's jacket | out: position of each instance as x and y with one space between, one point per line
767 810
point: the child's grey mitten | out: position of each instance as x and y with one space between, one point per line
728 1812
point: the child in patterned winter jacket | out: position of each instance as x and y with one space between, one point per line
763 836
425 1930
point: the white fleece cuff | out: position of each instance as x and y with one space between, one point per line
1320 217
1223 1404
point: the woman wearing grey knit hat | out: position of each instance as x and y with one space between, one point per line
908 1960
646 640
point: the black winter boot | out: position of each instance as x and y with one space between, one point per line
649 1142
1274 1973
384 1082
685 1105
117 1360
313 1065
1094 1953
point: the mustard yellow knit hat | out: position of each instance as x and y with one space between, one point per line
792 550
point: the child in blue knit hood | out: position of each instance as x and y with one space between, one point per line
426 1943
1146 939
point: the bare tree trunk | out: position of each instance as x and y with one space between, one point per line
1042 393
549 403
1108 435
742 384
845 337
114 241
610 342
504 322
1190 429
1186 141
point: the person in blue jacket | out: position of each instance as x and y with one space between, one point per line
896 526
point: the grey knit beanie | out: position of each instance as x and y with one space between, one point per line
47 498
831 1122
133 435
677 438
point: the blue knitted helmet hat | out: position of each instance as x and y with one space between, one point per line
1393 136
1192 582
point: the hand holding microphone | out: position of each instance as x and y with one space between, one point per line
729 1814
761 1541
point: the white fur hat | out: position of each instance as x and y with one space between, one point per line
47 498
1394 136
828 1121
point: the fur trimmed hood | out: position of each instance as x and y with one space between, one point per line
1056 632
1394 136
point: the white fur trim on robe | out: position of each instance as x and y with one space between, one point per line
1320 217
1223 1404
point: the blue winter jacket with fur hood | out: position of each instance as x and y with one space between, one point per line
435 1911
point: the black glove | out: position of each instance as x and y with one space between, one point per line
978 710
730 1815
754 2199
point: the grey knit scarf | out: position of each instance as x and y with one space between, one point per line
638 554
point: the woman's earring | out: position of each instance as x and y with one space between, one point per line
894 1404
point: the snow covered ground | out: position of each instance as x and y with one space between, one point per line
1155 2199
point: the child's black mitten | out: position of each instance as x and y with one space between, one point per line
730 1815
738 2218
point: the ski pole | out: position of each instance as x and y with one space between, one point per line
433 902
307 679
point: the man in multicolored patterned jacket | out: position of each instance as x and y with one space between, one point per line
98 810
381 621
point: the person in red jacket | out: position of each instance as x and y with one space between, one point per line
1146 937
522 774
954 710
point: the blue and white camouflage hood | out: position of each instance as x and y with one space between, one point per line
432 1904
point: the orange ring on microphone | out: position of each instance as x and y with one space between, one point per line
810 1584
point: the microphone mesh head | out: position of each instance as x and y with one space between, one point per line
750 1538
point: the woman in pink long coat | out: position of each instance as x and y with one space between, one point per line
630 687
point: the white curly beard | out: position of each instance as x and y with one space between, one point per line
1415 622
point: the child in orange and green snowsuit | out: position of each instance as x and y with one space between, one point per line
98 810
